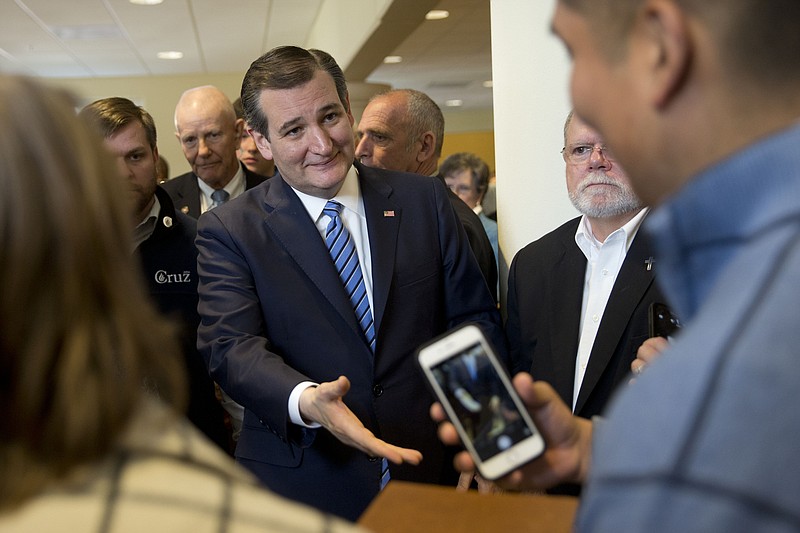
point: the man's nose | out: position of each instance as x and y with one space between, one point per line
202 147
321 140
598 159
362 147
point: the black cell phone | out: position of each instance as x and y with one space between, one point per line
480 401
662 321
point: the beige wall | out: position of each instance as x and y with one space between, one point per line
158 95
480 143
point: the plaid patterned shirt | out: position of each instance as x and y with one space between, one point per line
165 477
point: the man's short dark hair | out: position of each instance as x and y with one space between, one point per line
109 115
285 67
760 37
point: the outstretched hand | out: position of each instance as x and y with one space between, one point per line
568 438
323 404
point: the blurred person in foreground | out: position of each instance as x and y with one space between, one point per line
700 102
91 440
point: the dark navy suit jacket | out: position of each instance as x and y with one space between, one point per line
274 313
169 262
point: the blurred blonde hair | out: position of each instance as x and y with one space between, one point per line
79 337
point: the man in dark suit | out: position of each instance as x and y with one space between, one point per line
403 130
209 133
573 322
326 392
164 244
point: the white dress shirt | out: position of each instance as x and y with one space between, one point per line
603 262
354 219
235 187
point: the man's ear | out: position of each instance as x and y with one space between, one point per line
262 143
349 110
239 125
665 28
426 151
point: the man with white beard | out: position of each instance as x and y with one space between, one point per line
578 298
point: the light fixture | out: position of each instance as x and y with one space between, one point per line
146 2
392 59
437 14
454 103
171 54
488 84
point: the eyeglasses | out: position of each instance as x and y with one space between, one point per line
581 153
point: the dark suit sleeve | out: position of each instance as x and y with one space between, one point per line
230 336
478 241
520 360
467 294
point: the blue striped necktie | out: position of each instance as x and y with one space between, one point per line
343 251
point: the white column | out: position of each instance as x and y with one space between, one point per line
531 100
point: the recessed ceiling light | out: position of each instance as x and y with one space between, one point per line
169 55
454 103
488 84
146 2
392 59
437 14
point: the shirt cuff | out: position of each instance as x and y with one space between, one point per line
294 405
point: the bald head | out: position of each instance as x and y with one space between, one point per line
401 130
208 130
203 101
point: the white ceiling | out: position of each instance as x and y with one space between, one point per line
448 59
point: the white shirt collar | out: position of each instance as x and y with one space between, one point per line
235 187
349 196
146 227
586 240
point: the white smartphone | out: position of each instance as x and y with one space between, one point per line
480 401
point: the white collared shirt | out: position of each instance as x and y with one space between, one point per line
603 263
146 227
353 216
355 220
235 187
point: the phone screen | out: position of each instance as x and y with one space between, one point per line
481 402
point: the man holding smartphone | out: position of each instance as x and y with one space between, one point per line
706 439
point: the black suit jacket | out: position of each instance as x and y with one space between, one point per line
478 240
545 295
169 262
274 313
185 192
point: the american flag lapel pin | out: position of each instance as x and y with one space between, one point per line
388 213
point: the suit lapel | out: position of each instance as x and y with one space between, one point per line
569 272
188 196
632 283
383 224
288 220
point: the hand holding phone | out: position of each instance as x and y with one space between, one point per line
480 401
662 322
